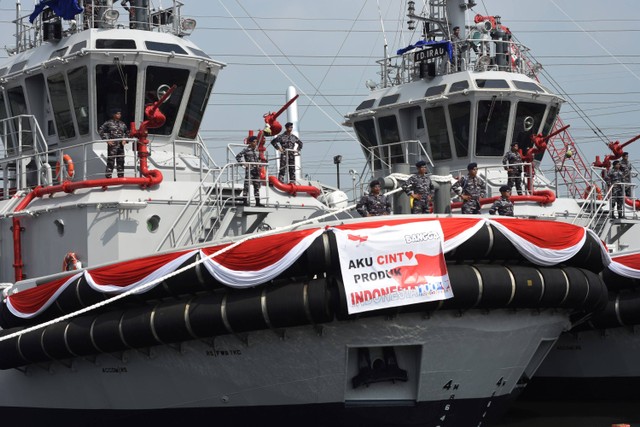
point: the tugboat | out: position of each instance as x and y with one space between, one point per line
171 295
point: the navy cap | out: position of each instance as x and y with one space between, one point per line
505 188
374 183
288 124
421 163
252 138
616 162
472 165
514 143
113 111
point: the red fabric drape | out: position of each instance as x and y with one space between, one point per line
32 299
545 234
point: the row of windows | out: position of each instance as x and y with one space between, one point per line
456 87
448 129
111 44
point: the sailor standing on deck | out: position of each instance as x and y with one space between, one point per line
513 165
286 145
503 206
625 167
471 189
615 178
250 157
420 188
374 203
114 131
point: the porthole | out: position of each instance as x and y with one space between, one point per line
153 222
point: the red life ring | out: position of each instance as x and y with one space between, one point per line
588 190
68 164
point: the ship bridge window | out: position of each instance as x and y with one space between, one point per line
528 119
17 66
459 86
389 134
199 52
366 132
389 99
368 103
60 103
18 107
550 120
460 116
435 91
8 148
115 44
78 83
165 47
115 87
491 129
3 71
157 77
530 86
197 105
58 53
439 144
78 47
492 84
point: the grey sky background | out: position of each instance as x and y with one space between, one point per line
327 50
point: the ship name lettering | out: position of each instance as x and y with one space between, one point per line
220 353
116 370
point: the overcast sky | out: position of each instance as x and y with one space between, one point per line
327 50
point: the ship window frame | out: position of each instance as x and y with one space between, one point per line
389 99
171 106
528 86
17 66
493 142
438 133
62 112
59 53
488 84
434 91
461 138
392 152
200 93
366 133
198 52
78 47
454 86
165 47
112 44
81 115
367 103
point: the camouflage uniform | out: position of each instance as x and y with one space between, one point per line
287 142
617 195
374 205
514 173
115 131
625 168
473 187
251 173
422 185
503 206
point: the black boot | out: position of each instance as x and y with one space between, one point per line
258 202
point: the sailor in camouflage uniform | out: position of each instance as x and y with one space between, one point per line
514 173
471 189
614 178
420 188
374 203
625 167
252 171
285 144
503 206
114 130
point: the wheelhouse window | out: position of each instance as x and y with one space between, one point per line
389 134
115 44
18 107
78 83
165 47
460 116
550 120
459 86
366 133
5 139
197 105
438 135
492 84
58 94
116 88
491 129
528 119
435 91
530 86
161 77
366 104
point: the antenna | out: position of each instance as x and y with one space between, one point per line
386 45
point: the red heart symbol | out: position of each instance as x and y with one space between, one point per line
409 254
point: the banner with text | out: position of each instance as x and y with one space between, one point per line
391 266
